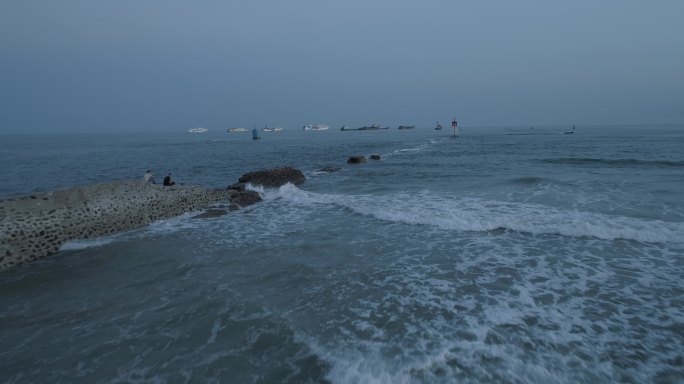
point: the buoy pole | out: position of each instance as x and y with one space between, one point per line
454 126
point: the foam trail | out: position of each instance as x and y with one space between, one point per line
74 245
417 148
474 214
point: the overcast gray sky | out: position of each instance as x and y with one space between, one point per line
135 65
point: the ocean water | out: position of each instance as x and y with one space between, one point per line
509 255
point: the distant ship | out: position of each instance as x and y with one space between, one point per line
197 130
438 127
315 127
272 129
407 126
373 127
237 129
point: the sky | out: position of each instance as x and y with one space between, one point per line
137 65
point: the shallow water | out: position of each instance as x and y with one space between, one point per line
510 255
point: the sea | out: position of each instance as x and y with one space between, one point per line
506 255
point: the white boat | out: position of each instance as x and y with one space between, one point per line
197 130
316 127
272 129
237 129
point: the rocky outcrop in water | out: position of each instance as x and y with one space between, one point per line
35 226
274 178
356 159
375 157
245 198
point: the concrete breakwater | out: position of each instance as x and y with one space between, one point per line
35 226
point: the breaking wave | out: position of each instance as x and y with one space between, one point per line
475 214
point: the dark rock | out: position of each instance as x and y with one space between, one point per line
273 178
211 213
329 169
356 159
237 187
375 157
245 198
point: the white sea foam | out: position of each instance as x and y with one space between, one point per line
433 344
476 214
502 324
400 151
74 245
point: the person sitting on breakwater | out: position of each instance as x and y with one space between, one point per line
167 181
149 177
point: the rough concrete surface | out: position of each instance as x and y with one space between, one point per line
35 226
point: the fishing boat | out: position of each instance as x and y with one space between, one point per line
197 130
315 127
233 130
438 127
407 126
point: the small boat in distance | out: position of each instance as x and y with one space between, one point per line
272 129
407 126
197 130
315 127
237 130
438 127
372 128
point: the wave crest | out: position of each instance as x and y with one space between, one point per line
615 162
475 214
